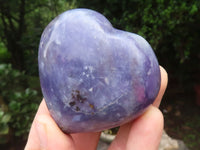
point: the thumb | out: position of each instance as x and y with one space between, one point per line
50 136
46 135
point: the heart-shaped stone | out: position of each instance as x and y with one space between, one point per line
93 76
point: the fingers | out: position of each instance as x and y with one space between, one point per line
86 141
146 131
121 139
124 132
142 134
164 81
45 134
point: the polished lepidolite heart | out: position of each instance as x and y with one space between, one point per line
94 76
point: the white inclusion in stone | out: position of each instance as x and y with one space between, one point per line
93 77
83 73
87 75
42 43
76 118
91 69
118 114
106 80
50 104
58 42
149 71
65 106
86 67
51 89
91 89
50 39
42 65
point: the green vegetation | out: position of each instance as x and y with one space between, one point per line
18 103
21 25
171 27
4 54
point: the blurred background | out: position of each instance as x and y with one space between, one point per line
172 27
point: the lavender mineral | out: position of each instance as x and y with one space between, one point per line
93 76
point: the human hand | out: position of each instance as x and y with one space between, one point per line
141 134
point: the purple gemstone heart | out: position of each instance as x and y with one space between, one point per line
93 76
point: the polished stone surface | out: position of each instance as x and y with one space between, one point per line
93 76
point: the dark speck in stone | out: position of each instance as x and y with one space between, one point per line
91 106
77 96
77 108
72 103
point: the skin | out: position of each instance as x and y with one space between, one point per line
140 134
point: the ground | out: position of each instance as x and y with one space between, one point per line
182 116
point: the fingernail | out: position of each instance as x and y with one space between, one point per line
42 133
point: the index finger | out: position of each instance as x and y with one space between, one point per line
124 131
